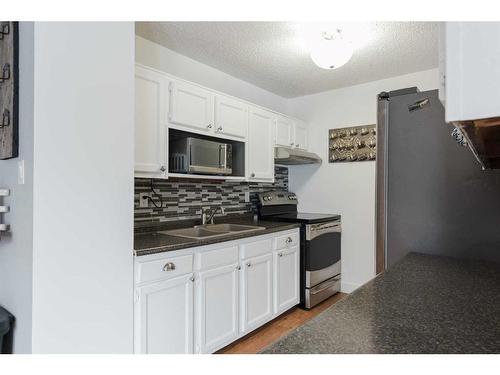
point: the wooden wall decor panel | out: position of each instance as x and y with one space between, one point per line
356 143
9 90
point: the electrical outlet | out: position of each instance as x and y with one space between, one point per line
247 196
144 200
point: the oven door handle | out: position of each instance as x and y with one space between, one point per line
313 232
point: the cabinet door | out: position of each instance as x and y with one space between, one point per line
164 317
256 292
191 106
284 132
260 145
231 117
286 279
150 123
300 138
216 308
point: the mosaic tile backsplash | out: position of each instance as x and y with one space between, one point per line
185 199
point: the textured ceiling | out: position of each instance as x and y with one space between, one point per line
273 55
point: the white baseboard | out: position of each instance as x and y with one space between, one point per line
347 287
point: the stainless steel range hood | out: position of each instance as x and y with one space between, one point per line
286 156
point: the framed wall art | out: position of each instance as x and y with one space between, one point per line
9 90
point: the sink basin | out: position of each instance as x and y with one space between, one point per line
195 233
211 230
230 227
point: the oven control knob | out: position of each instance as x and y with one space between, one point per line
269 198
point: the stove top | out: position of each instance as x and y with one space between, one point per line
303 217
281 205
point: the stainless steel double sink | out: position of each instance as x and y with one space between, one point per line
208 231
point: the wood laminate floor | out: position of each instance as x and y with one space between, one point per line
257 340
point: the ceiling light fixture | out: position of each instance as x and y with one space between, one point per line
329 50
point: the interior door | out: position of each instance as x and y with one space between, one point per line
150 122
286 279
256 292
191 106
231 117
261 145
164 317
437 198
217 308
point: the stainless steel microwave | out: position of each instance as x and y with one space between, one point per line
201 156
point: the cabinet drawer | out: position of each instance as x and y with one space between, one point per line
164 268
256 248
216 258
286 241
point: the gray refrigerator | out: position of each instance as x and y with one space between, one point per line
432 195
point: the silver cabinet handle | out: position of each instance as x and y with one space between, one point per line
209 126
169 266
291 144
162 168
289 240
297 145
238 268
219 129
192 278
249 264
252 175
280 254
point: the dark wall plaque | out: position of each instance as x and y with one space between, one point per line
9 90
357 143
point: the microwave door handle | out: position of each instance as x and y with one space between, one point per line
223 156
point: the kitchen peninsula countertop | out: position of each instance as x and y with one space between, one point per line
149 241
422 304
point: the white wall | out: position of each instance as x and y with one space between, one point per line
345 188
16 256
83 187
168 61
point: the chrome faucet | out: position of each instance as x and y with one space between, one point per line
208 214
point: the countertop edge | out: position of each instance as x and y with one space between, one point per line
277 227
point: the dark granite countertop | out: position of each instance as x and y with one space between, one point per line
148 241
422 304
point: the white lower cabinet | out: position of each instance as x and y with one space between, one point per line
164 317
256 298
238 286
286 279
216 301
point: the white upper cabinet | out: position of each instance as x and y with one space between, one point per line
150 123
300 135
284 132
470 70
260 145
291 133
191 106
231 117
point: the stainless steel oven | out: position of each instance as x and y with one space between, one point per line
322 261
320 245
193 155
